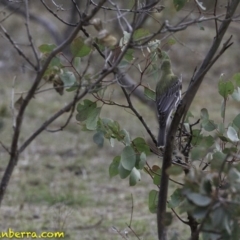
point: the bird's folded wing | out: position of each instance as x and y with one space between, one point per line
167 101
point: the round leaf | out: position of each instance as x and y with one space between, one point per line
225 88
140 144
128 158
123 173
199 199
204 113
98 138
113 168
68 79
142 161
46 48
174 170
176 198
79 48
135 177
232 134
236 121
153 201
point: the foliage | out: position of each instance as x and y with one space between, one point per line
205 153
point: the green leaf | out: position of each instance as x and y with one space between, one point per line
123 173
91 121
68 79
196 137
232 134
223 138
149 93
230 150
207 141
77 64
198 153
113 167
143 159
199 199
225 88
199 212
128 158
141 146
153 201
217 161
140 33
126 138
217 217
179 4
157 176
98 138
135 177
176 198
88 113
53 67
234 175
128 56
171 41
46 48
103 125
236 77
204 114
86 107
221 127
79 48
174 170
208 125
236 121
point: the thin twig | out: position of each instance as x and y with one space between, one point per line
5 148
30 36
56 16
138 115
20 52
12 103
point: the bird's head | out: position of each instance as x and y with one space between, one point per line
166 65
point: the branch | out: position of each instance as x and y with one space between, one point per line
183 108
40 72
138 115
49 25
20 52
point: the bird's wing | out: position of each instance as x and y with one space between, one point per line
169 98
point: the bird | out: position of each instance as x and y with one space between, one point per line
168 96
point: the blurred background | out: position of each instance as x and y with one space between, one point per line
61 181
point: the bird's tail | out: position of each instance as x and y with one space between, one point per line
161 137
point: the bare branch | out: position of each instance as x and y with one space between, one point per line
20 52
56 16
14 146
138 116
30 36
